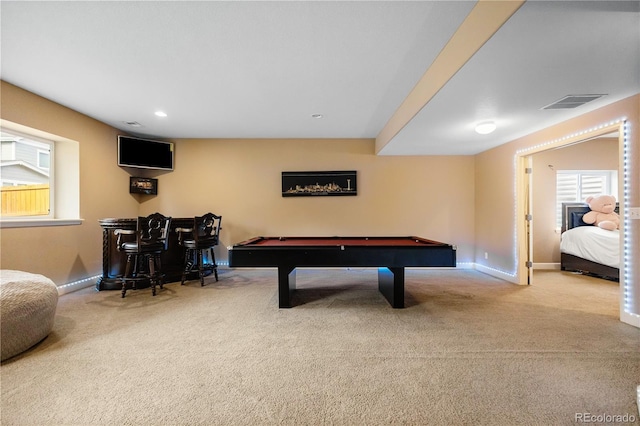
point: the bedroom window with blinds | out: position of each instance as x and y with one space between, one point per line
577 185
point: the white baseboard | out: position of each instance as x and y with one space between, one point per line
546 266
630 318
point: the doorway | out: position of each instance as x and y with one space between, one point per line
538 239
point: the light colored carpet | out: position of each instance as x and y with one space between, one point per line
469 349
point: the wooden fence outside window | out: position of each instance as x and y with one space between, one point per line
25 200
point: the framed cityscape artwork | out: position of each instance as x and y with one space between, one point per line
313 184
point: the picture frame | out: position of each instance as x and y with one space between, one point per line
140 185
319 183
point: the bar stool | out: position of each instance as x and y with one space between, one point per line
143 254
198 241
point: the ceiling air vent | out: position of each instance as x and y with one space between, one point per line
572 101
133 123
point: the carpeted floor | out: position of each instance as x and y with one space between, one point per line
468 349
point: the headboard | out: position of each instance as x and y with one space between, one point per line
572 214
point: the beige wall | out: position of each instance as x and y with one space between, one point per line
497 206
467 201
596 154
67 253
241 180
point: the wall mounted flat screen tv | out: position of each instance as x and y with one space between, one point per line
144 153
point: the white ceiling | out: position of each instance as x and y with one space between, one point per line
240 69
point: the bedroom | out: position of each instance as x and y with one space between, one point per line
598 154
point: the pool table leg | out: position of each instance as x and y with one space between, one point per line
391 285
286 285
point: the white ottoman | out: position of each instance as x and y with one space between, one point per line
27 308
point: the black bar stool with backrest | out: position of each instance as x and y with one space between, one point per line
143 254
198 241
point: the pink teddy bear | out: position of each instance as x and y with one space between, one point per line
602 212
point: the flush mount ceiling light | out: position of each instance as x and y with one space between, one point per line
161 114
485 127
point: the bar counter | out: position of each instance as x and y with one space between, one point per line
114 261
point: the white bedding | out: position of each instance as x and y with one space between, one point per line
592 243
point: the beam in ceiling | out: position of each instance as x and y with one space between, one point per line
484 20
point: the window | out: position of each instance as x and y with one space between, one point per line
8 151
32 157
25 164
44 158
577 185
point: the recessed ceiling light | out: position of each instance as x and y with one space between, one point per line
161 114
486 127
318 116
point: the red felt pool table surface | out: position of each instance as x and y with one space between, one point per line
339 241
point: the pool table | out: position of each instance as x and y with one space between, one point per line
390 254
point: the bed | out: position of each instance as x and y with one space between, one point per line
587 248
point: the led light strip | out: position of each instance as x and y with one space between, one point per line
77 285
87 282
628 298
573 136
627 291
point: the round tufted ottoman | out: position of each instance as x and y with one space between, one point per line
27 307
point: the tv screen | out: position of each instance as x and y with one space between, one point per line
144 153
